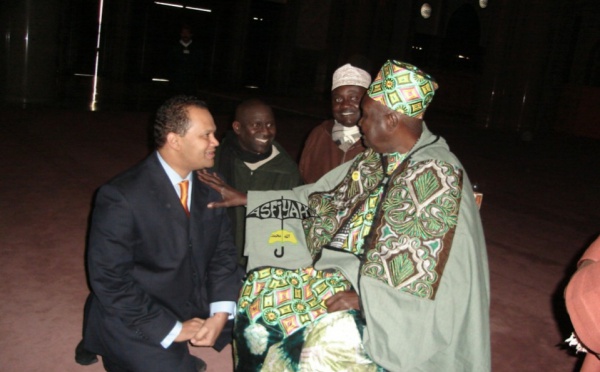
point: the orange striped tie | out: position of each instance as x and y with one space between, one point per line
183 186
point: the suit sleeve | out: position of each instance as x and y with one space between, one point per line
224 274
112 241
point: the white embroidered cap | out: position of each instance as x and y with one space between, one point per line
350 75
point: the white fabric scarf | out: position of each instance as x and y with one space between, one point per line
344 136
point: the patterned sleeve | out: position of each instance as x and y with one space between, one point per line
414 239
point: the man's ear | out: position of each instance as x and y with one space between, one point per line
392 121
237 126
173 141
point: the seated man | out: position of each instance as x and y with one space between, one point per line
386 263
250 159
337 140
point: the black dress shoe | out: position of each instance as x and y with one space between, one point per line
200 364
84 357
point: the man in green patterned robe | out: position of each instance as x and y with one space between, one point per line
385 267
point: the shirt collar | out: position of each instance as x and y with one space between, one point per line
174 177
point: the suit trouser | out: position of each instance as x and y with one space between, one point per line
175 358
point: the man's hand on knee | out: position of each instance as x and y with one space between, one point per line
189 329
346 300
210 330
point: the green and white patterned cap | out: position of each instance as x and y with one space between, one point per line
404 88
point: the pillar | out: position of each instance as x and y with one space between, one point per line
30 50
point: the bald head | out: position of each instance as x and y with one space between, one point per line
248 106
255 126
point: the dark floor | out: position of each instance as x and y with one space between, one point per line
541 208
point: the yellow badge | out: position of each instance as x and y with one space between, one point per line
280 236
355 175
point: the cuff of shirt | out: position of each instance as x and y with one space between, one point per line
167 341
223 307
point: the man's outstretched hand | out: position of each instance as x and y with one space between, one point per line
231 197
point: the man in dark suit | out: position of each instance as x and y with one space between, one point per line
185 64
157 257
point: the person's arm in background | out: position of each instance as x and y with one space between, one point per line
592 254
582 297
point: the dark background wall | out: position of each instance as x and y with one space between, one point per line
530 67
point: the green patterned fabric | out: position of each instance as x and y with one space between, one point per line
414 241
288 299
282 323
304 351
352 237
414 235
403 87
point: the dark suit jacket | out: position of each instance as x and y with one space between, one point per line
150 265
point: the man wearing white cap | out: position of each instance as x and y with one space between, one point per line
337 140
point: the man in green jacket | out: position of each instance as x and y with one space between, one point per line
385 266
250 159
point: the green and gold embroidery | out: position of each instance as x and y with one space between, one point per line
419 215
